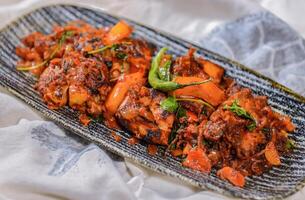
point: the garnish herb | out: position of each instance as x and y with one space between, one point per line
113 47
181 112
266 130
169 104
241 112
159 84
251 126
61 41
290 144
121 55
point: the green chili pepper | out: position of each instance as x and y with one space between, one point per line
164 71
159 84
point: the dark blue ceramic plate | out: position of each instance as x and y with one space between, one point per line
277 183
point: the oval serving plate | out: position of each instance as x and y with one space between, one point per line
279 182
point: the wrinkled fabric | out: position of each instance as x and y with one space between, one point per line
264 43
41 161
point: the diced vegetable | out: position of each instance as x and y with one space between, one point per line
118 32
197 160
120 89
232 175
209 91
77 95
271 154
213 71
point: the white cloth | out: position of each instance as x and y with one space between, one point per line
41 161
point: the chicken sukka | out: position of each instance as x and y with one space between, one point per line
140 113
184 103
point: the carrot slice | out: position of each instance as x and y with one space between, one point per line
209 91
186 149
118 32
271 154
120 90
232 175
198 160
214 71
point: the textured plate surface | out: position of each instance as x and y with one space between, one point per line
277 183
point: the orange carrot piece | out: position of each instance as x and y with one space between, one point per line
176 152
271 154
120 90
186 149
209 91
214 71
232 175
191 116
84 119
118 32
198 160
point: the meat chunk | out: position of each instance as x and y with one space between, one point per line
140 113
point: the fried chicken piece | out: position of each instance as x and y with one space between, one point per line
140 113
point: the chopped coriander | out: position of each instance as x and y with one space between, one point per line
241 112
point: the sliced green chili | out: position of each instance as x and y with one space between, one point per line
159 84
164 71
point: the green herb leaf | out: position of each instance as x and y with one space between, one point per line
114 47
251 126
181 112
169 104
121 55
99 118
290 144
266 130
164 71
241 112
